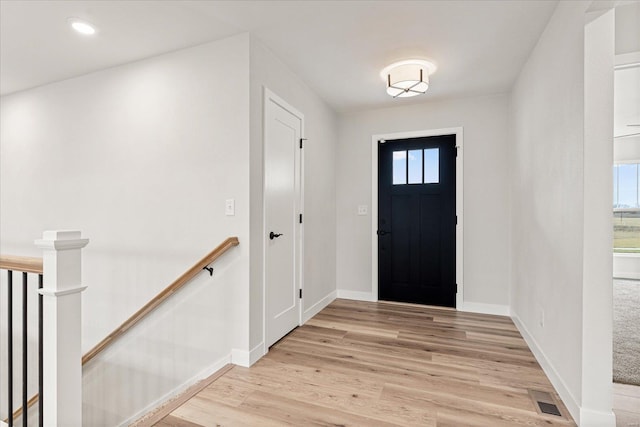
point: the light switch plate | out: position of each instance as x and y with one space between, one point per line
363 209
230 207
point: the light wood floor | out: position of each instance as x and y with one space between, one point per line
626 405
383 364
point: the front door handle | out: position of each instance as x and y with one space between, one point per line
382 232
273 235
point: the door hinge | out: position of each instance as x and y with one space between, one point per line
456 219
302 139
300 293
300 218
456 151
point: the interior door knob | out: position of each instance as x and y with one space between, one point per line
273 235
383 232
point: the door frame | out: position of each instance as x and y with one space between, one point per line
270 96
458 132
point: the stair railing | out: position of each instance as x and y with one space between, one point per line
155 302
59 310
24 267
161 297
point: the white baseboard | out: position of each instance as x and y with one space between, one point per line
569 400
247 358
584 417
3 424
257 353
484 308
205 373
317 307
589 418
355 295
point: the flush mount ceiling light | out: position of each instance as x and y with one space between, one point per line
408 78
82 26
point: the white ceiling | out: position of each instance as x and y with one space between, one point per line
337 47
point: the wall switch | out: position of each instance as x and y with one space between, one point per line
230 207
363 209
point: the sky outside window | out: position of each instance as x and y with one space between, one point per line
626 186
399 167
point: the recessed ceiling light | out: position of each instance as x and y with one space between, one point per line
81 26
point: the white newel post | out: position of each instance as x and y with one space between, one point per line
62 306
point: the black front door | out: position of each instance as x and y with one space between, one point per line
417 220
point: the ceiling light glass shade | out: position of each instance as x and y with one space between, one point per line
83 27
408 78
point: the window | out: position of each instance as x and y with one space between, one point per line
626 208
399 167
432 166
416 166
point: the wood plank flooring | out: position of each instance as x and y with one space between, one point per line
626 405
382 364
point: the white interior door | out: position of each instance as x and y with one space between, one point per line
282 194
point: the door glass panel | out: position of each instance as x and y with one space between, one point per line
399 167
415 166
432 166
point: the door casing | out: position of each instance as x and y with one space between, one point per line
458 132
270 97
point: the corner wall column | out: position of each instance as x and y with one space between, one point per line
597 291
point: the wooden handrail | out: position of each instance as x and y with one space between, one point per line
161 297
21 263
148 308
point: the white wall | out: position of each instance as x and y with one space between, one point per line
627 99
486 215
627 32
141 158
547 193
627 150
320 123
561 230
597 293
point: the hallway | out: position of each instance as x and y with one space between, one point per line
361 363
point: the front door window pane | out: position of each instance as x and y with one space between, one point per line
432 166
399 167
415 166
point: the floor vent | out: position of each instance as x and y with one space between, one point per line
545 403
549 408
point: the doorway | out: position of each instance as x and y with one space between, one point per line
626 232
456 132
417 220
283 127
